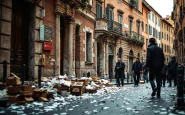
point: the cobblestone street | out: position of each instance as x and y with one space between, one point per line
128 100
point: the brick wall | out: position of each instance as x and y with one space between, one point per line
50 20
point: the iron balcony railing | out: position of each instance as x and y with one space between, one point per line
114 26
134 36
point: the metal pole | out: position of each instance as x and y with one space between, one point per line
180 86
39 75
4 71
23 73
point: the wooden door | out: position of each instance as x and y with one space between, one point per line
19 36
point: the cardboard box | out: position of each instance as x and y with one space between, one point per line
85 81
77 88
27 88
92 91
109 85
94 78
14 90
43 99
28 99
27 93
13 98
13 81
65 88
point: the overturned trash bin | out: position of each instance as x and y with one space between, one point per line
180 86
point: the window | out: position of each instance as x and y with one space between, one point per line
153 17
154 32
159 22
120 18
109 13
142 25
130 25
137 4
162 47
88 47
138 29
156 20
149 15
162 34
98 10
146 43
165 48
146 28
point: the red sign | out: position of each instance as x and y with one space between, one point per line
47 46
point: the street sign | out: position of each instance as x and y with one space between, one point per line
41 32
47 33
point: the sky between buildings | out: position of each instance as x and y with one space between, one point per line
163 7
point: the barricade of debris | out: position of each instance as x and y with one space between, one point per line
14 92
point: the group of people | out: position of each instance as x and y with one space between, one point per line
155 66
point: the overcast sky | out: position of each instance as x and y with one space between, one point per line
163 7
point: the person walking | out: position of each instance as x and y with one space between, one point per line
155 63
119 72
137 68
145 73
172 71
164 75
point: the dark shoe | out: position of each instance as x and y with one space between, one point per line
154 92
158 96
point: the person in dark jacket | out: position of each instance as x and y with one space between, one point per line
145 72
155 63
164 75
137 68
172 71
119 72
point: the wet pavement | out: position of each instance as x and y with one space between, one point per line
127 100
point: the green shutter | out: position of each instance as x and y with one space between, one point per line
96 10
100 11
112 15
108 13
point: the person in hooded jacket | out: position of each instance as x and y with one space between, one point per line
155 63
172 65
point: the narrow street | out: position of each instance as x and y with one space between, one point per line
127 100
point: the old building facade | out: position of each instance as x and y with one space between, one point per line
179 24
167 38
121 37
154 22
20 36
145 32
50 33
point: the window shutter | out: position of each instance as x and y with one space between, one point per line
97 11
100 11
112 15
108 13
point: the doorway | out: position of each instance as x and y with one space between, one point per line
131 56
98 59
62 36
21 11
111 57
77 51
111 66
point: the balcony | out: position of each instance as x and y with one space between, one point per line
175 44
114 27
134 37
101 24
132 3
